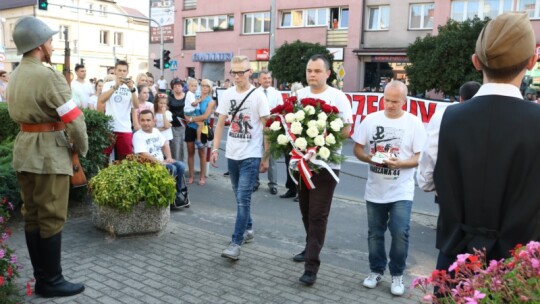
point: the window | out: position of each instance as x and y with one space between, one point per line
61 34
421 16
316 17
379 18
292 18
462 10
104 37
531 7
119 39
90 11
256 23
207 24
344 20
102 10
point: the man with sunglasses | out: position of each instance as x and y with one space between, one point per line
249 108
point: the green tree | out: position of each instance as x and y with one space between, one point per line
289 62
443 62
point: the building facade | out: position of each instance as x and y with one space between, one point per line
96 36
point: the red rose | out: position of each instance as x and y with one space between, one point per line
289 107
335 110
291 99
277 109
269 122
326 108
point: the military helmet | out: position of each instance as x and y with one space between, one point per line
29 33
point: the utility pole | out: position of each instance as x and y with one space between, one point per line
67 54
273 11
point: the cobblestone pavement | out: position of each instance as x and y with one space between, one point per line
183 265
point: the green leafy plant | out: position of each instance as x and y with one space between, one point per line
9 267
8 128
124 184
8 180
100 136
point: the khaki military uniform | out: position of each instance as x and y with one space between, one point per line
42 160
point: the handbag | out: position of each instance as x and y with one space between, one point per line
210 135
78 179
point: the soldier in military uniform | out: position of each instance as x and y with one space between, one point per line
40 102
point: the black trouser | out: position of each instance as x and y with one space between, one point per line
289 184
315 208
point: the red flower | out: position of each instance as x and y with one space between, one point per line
326 108
28 289
277 109
10 271
291 99
335 110
288 107
269 122
1 280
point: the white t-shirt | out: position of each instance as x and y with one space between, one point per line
404 136
274 96
151 143
80 93
245 136
334 97
162 84
93 101
190 98
160 124
119 107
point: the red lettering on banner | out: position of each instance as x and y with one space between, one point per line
381 103
426 113
361 100
413 108
371 100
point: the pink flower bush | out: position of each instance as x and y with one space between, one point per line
512 280
8 260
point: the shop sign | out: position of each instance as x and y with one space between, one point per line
212 57
381 58
262 54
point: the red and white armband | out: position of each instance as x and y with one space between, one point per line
68 112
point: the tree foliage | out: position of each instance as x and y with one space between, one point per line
443 62
289 62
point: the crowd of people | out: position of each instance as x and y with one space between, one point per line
479 155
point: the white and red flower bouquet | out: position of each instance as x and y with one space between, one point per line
310 131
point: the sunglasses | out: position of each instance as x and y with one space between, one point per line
239 73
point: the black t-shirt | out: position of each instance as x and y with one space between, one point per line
176 106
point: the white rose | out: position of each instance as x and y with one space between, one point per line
312 124
322 116
312 132
330 139
296 127
275 126
300 143
319 140
324 153
300 115
289 117
310 110
336 125
339 121
282 140
321 124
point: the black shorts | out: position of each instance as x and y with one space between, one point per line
191 135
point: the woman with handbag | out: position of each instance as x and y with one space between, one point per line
207 106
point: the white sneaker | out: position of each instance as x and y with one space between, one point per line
232 251
248 236
397 288
372 280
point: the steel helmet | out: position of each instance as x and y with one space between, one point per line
29 33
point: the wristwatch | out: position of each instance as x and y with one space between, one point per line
133 90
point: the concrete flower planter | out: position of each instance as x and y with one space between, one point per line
141 220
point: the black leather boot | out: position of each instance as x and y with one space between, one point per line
52 283
32 242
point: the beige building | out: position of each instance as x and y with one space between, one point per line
96 35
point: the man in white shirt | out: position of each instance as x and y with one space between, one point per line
274 99
117 99
315 203
81 90
162 84
394 139
244 146
150 143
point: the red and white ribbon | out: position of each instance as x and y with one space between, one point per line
68 112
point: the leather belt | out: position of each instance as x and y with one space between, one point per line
43 127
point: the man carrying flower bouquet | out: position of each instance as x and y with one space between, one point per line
315 200
394 139
244 150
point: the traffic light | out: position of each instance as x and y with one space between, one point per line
166 59
156 64
43 4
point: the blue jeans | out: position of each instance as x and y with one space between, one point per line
177 170
396 217
243 174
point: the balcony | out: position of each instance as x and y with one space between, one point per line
190 4
337 38
189 43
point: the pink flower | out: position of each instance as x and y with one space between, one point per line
428 298
2 253
474 299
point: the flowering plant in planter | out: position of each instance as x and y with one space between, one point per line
8 260
512 280
310 131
